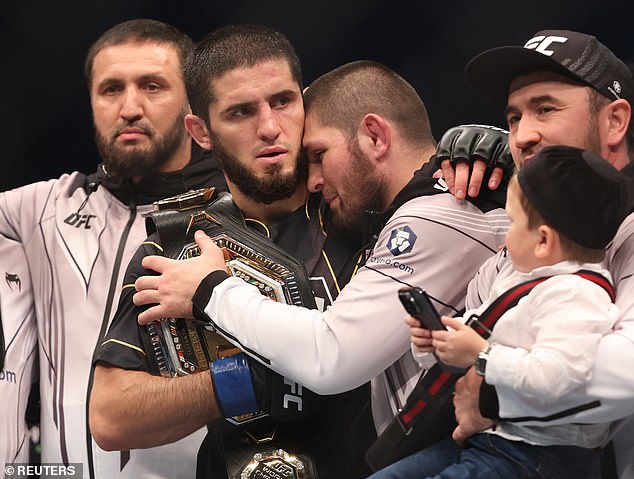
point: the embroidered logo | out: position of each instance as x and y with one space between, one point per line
541 44
77 220
401 240
617 86
13 280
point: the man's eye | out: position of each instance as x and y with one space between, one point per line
512 119
241 112
316 156
546 109
152 87
283 101
110 90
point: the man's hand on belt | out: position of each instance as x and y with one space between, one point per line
172 290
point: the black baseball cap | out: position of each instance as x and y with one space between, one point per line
575 55
578 193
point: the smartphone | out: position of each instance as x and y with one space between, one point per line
417 303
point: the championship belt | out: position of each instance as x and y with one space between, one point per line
179 347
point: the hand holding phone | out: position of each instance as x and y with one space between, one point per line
417 303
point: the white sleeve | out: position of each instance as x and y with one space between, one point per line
9 211
363 332
17 316
21 208
328 352
564 318
493 270
613 375
18 209
424 360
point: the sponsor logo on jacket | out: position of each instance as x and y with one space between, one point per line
401 240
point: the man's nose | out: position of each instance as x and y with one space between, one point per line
132 108
315 178
525 134
268 125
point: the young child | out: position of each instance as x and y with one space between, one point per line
565 206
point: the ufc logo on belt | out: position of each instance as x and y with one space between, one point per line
541 44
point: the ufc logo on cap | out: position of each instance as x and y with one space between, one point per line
541 44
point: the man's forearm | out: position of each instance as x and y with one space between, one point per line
321 351
133 409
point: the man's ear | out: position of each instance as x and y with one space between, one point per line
198 130
375 135
619 116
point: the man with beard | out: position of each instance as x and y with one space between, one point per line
78 232
244 86
565 87
366 134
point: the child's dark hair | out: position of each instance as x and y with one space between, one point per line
574 251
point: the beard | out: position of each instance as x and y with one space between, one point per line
135 162
370 192
272 186
592 140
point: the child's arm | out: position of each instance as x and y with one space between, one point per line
421 337
421 343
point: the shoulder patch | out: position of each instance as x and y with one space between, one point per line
401 240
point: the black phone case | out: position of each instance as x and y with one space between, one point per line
417 303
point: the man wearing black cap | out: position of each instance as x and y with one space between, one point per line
568 57
566 87
566 204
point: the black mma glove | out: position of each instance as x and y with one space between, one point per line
468 143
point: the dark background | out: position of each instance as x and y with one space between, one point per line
45 122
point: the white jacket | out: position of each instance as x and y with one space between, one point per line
76 253
362 336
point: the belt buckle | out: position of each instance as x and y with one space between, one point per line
274 464
475 323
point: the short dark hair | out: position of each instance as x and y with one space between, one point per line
573 250
228 48
139 30
342 97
